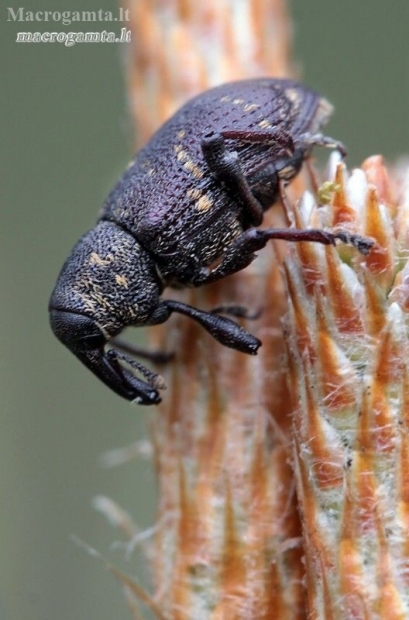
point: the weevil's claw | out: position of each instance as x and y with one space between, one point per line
150 398
362 244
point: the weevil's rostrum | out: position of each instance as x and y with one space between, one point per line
192 195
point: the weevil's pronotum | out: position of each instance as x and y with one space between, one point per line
193 195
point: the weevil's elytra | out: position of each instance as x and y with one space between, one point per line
194 194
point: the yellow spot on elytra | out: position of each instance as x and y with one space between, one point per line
181 134
195 170
182 155
121 280
247 107
293 95
250 106
193 194
177 148
97 260
265 124
204 203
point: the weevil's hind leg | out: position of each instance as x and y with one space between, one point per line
241 253
225 167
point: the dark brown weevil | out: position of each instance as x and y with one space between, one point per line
194 194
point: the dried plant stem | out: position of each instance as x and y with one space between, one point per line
230 543
182 47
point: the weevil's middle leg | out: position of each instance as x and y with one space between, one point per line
242 252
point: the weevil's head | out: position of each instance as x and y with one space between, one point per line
108 282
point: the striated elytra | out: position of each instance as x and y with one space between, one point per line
194 194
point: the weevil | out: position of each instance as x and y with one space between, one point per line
191 199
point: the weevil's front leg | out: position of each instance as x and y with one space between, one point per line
224 330
241 252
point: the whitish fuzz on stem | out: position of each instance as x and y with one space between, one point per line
347 339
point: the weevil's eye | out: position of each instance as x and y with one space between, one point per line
76 331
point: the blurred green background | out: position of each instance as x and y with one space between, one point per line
65 139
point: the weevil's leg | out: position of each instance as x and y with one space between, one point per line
285 140
279 138
241 253
157 357
226 168
224 330
362 244
318 139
